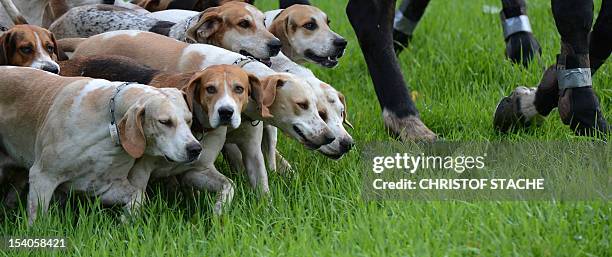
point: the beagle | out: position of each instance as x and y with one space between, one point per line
235 26
29 46
90 135
305 35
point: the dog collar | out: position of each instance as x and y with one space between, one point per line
243 61
114 129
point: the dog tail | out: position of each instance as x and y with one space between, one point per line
69 44
13 12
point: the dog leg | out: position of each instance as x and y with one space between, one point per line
40 193
372 22
268 146
232 154
406 19
253 159
211 180
521 45
578 105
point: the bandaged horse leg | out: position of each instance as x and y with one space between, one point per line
521 45
578 105
516 110
407 16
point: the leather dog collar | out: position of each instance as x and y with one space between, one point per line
114 130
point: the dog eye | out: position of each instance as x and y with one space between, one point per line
26 49
211 89
303 105
244 24
50 48
310 26
166 122
239 89
323 115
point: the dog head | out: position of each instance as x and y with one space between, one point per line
238 27
160 126
293 107
29 46
331 105
306 36
222 92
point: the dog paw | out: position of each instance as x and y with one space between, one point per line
409 128
521 47
283 166
516 110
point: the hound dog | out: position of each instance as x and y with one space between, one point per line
234 26
305 35
332 108
290 101
58 127
218 95
303 30
29 46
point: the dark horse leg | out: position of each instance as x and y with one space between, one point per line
521 45
372 21
577 102
405 21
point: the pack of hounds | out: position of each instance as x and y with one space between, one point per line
111 98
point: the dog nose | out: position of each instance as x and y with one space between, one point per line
328 139
193 150
51 68
346 145
274 47
340 42
225 113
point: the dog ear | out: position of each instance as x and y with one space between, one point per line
270 85
344 112
4 49
59 54
208 23
192 93
154 5
280 26
256 93
131 132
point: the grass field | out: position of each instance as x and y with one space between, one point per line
456 67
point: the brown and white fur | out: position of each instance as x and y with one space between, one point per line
306 36
235 26
291 102
44 12
230 83
29 46
58 127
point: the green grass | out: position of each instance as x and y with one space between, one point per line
456 65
